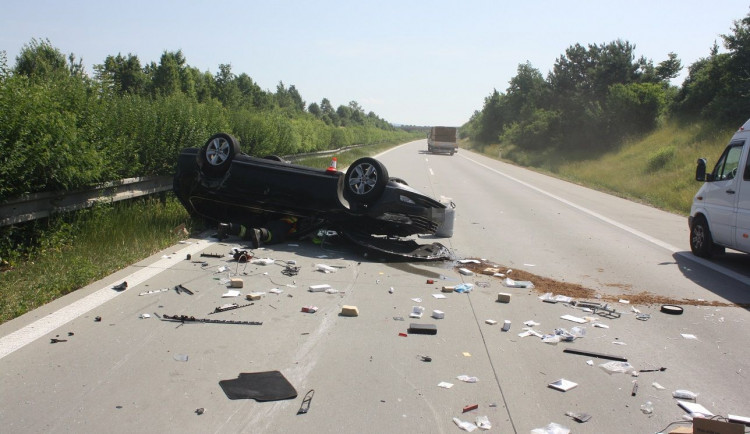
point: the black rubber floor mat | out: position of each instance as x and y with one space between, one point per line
260 386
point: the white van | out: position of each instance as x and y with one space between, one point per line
720 215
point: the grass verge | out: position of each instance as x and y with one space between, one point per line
80 248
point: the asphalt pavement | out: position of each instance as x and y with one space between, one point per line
119 365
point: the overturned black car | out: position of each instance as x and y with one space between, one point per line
221 184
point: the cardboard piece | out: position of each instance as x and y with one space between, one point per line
349 310
713 426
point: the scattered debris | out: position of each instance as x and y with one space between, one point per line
180 357
56 340
578 417
98 319
684 394
466 426
470 407
595 354
468 379
671 309
121 287
416 312
253 296
503 297
464 287
230 306
319 288
349 310
506 325
438 314
422 329
231 293
490 321
562 384
615 367
551 428
260 386
309 309
144 316
186 318
154 292
180 289
306 401
236 282
200 411
445 385
465 271
325 268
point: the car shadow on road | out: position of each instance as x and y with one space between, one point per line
724 285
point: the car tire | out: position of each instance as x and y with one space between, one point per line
217 154
365 180
701 242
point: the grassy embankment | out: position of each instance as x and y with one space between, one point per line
657 169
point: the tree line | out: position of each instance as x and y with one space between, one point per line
596 96
62 129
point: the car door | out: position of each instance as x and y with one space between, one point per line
743 206
720 195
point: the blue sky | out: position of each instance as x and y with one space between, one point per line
411 62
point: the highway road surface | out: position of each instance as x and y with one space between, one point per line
125 373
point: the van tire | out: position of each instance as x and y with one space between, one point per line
701 242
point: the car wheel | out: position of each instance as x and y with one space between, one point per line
701 242
217 154
365 180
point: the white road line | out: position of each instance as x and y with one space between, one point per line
637 233
431 172
43 326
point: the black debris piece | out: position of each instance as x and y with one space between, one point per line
306 401
260 386
121 287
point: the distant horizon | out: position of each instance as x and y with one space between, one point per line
409 63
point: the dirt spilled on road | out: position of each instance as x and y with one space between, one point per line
543 285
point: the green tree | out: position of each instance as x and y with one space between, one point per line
40 59
167 77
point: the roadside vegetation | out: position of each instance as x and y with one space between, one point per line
606 118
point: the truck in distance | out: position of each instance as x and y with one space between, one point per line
442 139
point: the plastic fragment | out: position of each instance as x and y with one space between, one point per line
445 385
467 379
551 428
657 386
684 394
647 407
464 287
617 367
464 425
483 422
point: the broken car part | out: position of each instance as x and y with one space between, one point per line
186 318
121 287
154 292
671 309
180 289
306 401
595 354
601 309
227 307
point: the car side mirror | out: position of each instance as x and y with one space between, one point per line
700 170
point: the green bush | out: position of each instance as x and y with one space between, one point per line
660 158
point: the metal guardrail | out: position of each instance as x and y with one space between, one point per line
40 205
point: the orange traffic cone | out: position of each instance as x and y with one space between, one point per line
332 167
